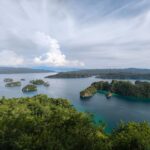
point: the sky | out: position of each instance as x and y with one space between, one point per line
75 33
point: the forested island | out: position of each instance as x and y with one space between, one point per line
140 90
29 88
40 82
131 73
13 84
45 123
37 82
8 80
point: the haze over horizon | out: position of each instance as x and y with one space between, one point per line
75 33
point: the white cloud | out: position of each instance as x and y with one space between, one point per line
53 56
10 58
101 34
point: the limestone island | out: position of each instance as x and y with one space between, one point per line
39 82
29 88
140 90
13 84
8 80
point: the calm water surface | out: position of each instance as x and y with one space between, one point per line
111 111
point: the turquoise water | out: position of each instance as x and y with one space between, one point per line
111 111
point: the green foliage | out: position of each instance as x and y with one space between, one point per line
8 80
88 92
124 88
37 82
42 123
131 136
91 90
126 75
13 84
29 88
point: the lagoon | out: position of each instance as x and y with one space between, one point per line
110 111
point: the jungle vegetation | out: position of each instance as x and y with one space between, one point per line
37 82
43 123
29 88
8 80
138 89
13 84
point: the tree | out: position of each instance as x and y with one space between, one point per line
42 123
131 136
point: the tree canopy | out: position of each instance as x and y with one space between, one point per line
43 123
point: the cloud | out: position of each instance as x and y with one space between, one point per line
99 33
10 58
53 56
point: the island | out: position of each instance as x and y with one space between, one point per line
68 75
12 70
13 84
129 73
37 82
136 76
140 90
8 80
29 88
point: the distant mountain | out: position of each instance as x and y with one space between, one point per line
57 69
11 70
125 70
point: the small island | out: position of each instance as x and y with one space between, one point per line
8 80
140 90
29 88
13 84
37 82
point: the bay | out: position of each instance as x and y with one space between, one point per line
110 111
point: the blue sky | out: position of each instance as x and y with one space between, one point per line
75 33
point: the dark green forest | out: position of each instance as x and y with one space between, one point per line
43 123
140 90
129 73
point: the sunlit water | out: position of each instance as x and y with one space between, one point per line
111 111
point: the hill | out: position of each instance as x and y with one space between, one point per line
11 70
129 73
43 123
